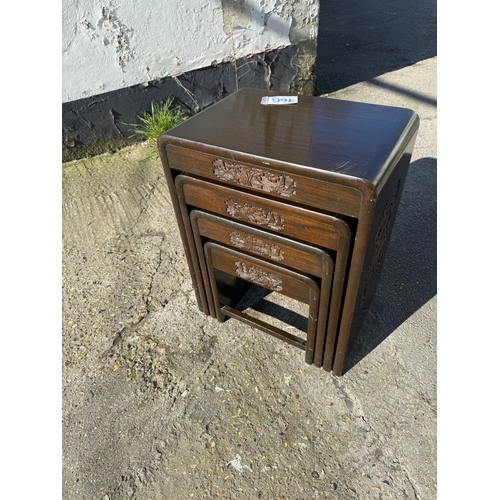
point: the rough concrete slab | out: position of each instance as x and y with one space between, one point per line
160 401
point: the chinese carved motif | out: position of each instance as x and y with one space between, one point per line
254 178
380 239
255 215
258 276
256 245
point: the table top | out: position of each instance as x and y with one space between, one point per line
345 137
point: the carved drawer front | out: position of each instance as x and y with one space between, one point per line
282 251
265 274
300 223
263 178
275 278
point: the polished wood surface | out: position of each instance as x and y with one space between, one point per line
327 134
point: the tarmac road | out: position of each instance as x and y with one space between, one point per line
361 39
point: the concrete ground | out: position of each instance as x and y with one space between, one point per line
162 402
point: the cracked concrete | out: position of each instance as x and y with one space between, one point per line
161 401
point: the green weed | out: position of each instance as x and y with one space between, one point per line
163 117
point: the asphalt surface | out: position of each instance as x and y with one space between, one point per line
162 402
360 40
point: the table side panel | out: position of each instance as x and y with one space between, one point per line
376 243
202 300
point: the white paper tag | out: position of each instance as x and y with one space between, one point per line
266 100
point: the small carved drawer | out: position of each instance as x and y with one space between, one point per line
283 251
269 178
300 223
242 267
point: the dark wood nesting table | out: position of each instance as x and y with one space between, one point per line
299 199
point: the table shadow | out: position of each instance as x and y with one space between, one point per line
408 279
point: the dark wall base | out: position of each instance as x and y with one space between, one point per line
98 124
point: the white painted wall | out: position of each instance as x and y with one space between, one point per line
111 44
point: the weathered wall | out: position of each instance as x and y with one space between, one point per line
119 55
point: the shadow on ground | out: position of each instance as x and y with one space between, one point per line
409 274
359 40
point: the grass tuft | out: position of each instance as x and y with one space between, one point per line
163 117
